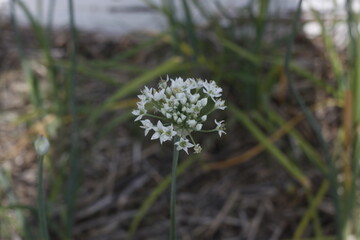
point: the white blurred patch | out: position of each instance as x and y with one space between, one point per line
114 18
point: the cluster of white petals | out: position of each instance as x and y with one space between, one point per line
180 108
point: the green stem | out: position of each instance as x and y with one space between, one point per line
208 131
173 192
154 116
74 160
41 203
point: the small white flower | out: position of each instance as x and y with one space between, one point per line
148 93
143 98
168 134
194 98
183 144
139 113
220 104
197 148
177 85
198 126
159 130
212 89
203 118
168 91
159 95
191 123
147 125
220 127
163 133
203 102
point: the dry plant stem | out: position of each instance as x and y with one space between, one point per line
173 192
41 203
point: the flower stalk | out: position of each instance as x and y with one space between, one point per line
42 145
41 202
173 192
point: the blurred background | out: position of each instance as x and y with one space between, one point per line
286 169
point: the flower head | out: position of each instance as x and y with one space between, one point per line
181 107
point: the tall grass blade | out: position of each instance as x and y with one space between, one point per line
261 23
310 152
352 204
311 212
74 161
279 156
170 13
45 47
35 94
190 28
334 57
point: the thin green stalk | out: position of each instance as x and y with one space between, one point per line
154 195
171 16
260 24
74 154
351 207
50 18
41 202
173 192
45 46
35 94
190 28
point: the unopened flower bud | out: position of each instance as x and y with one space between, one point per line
41 145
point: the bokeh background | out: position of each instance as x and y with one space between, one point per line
286 169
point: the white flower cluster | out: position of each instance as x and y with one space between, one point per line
181 107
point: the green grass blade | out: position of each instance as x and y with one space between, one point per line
311 212
279 156
74 160
261 23
45 47
190 28
35 94
115 122
242 52
257 60
310 152
331 51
